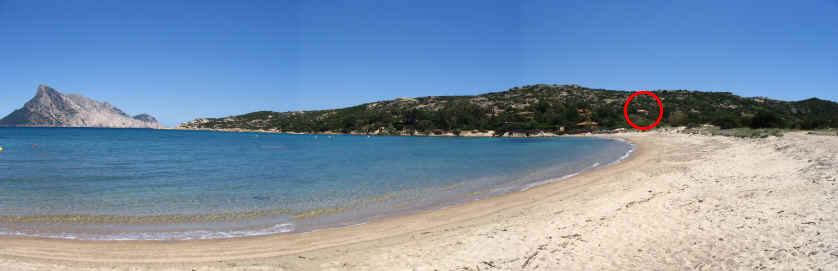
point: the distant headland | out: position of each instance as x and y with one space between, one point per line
535 110
50 108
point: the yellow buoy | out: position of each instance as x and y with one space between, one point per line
1 148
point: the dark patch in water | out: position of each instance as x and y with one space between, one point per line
261 197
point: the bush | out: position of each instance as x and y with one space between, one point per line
765 119
727 122
678 118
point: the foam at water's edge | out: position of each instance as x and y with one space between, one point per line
594 166
531 185
158 236
627 154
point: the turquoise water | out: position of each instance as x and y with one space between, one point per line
122 184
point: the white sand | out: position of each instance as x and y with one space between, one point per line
682 202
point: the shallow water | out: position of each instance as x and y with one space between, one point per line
123 184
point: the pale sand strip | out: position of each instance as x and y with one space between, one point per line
681 202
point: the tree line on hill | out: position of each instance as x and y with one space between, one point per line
541 108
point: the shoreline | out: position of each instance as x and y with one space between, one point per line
474 133
286 227
121 251
680 202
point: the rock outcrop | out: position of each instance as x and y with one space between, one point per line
50 108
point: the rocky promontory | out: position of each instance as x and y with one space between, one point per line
50 108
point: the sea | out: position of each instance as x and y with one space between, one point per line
145 184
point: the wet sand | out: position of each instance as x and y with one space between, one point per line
680 202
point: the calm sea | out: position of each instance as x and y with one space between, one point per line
127 184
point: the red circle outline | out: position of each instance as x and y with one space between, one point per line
660 113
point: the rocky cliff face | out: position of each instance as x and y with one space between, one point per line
50 108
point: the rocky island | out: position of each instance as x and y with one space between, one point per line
50 108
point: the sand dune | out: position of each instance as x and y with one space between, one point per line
681 202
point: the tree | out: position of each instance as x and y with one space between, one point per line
727 122
765 119
678 118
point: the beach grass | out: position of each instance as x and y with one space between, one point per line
751 133
824 132
737 132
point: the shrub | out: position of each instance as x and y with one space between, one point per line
765 119
727 122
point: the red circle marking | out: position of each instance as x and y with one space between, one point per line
660 113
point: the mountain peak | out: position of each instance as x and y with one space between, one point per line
44 87
45 90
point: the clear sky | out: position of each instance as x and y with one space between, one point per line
179 60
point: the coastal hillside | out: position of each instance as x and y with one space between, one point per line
50 108
538 109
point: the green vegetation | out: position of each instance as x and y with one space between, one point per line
542 108
825 132
750 132
743 132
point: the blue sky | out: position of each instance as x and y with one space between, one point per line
180 61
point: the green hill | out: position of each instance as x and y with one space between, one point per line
539 108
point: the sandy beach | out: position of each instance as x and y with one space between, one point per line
680 202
